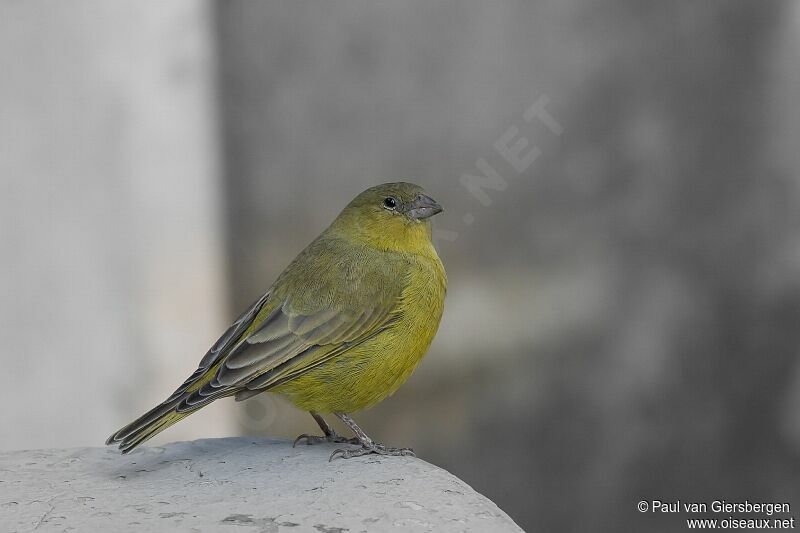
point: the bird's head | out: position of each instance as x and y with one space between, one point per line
392 216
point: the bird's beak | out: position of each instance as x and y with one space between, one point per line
423 207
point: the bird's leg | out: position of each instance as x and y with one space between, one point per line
367 444
330 434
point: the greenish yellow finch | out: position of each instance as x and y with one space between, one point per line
340 330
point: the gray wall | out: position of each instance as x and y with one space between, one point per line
621 322
112 266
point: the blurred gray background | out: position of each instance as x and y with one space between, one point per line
623 315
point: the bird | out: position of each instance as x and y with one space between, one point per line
342 327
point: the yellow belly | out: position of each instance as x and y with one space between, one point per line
375 369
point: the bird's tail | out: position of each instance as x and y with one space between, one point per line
196 392
147 426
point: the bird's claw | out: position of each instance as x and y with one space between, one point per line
379 449
316 439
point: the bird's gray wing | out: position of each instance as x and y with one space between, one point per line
284 344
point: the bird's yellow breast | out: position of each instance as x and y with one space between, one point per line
369 372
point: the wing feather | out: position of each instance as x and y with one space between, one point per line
294 339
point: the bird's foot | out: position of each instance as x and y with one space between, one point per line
367 449
316 439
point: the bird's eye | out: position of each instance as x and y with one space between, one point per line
389 203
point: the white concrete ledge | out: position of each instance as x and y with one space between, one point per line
239 485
